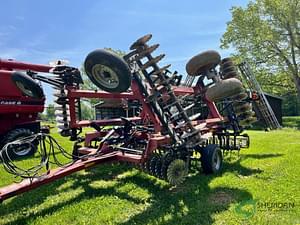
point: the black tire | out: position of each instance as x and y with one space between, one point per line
108 71
27 85
211 159
22 151
228 69
205 60
224 89
241 107
240 97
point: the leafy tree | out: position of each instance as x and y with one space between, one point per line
50 112
87 111
267 34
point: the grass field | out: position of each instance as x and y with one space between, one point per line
265 174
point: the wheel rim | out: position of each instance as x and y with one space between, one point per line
23 88
105 76
22 150
217 160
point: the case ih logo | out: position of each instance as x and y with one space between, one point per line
8 102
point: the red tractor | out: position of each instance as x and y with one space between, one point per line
21 100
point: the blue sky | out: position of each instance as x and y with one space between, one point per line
40 31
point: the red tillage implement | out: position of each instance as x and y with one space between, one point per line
178 122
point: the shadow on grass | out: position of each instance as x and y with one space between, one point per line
241 171
194 202
261 156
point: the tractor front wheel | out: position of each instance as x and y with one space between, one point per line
19 151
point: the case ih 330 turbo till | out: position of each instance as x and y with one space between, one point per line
164 139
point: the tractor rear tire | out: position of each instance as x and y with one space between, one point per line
211 159
108 71
15 135
27 85
205 60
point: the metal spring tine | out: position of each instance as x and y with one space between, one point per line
146 51
182 98
181 125
184 110
175 115
160 71
170 105
189 107
190 134
169 79
194 117
152 61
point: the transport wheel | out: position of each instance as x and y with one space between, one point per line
177 172
246 115
19 151
27 85
228 69
211 159
240 97
107 71
224 89
205 60
241 107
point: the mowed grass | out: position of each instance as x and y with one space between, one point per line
119 194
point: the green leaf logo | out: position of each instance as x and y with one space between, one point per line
246 209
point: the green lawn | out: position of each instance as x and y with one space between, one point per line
267 172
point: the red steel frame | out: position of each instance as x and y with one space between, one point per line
154 141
